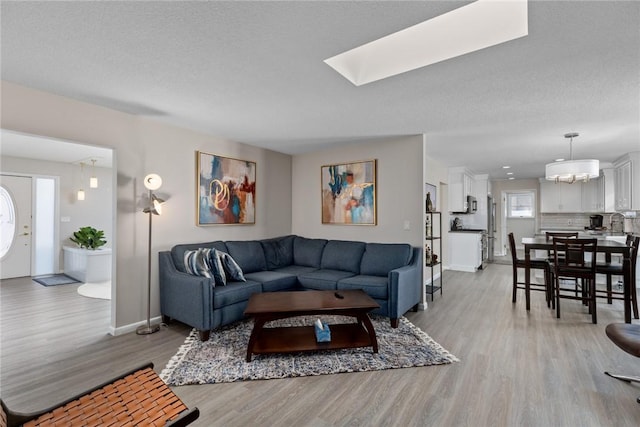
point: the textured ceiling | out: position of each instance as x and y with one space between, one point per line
254 72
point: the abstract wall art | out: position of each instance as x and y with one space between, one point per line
349 193
226 190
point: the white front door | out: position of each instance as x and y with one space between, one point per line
15 226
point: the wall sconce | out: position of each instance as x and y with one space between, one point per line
93 181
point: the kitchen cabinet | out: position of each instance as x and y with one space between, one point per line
433 246
465 251
622 173
460 186
593 195
560 197
627 182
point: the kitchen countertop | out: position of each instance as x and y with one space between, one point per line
468 230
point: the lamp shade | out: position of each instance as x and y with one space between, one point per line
152 181
572 170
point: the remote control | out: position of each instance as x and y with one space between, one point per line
340 296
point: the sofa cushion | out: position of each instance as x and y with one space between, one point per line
308 252
295 270
234 292
342 255
377 287
380 258
278 252
248 254
273 281
322 279
177 252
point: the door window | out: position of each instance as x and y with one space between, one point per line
7 221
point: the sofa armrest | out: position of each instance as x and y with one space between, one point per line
185 297
405 286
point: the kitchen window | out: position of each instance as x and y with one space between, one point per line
521 205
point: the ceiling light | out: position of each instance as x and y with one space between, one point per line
506 167
93 181
476 26
559 160
509 173
572 170
511 177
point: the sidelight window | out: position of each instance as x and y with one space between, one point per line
521 205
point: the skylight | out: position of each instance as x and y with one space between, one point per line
475 26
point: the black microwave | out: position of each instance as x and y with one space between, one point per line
471 206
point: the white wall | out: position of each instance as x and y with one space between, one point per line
398 194
437 174
497 188
95 211
143 145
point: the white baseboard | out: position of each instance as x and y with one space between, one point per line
132 326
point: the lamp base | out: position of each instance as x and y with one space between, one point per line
147 330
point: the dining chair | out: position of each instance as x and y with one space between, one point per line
549 235
610 269
540 264
575 259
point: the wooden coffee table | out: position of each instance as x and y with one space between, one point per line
267 306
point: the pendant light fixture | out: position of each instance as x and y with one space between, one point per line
80 194
93 181
572 170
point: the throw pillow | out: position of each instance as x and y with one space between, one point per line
217 269
230 266
197 262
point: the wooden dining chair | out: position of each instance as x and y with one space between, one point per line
575 259
540 264
611 269
549 235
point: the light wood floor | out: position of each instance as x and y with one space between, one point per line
516 368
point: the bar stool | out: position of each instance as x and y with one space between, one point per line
540 264
569 262
615 269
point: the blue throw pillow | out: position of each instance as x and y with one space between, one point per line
217 269
197 262
230 266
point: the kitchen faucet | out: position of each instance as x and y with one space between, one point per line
611 220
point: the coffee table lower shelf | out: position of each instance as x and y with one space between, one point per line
303 338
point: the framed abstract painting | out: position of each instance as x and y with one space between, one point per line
349 193
226 190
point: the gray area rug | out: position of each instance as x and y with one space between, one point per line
221 359
55 280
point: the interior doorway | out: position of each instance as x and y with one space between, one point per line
57 170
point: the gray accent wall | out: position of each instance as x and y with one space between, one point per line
398 193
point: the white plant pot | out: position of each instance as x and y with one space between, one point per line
87 265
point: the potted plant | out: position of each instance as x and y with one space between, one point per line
88 262
89 238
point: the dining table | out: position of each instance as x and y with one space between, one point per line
604 245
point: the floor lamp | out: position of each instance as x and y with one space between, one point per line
151 182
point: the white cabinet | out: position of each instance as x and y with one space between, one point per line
627 182
465 251
560 197
608 175
460 186
622 174
593 195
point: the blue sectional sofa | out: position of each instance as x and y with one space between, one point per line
388 272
